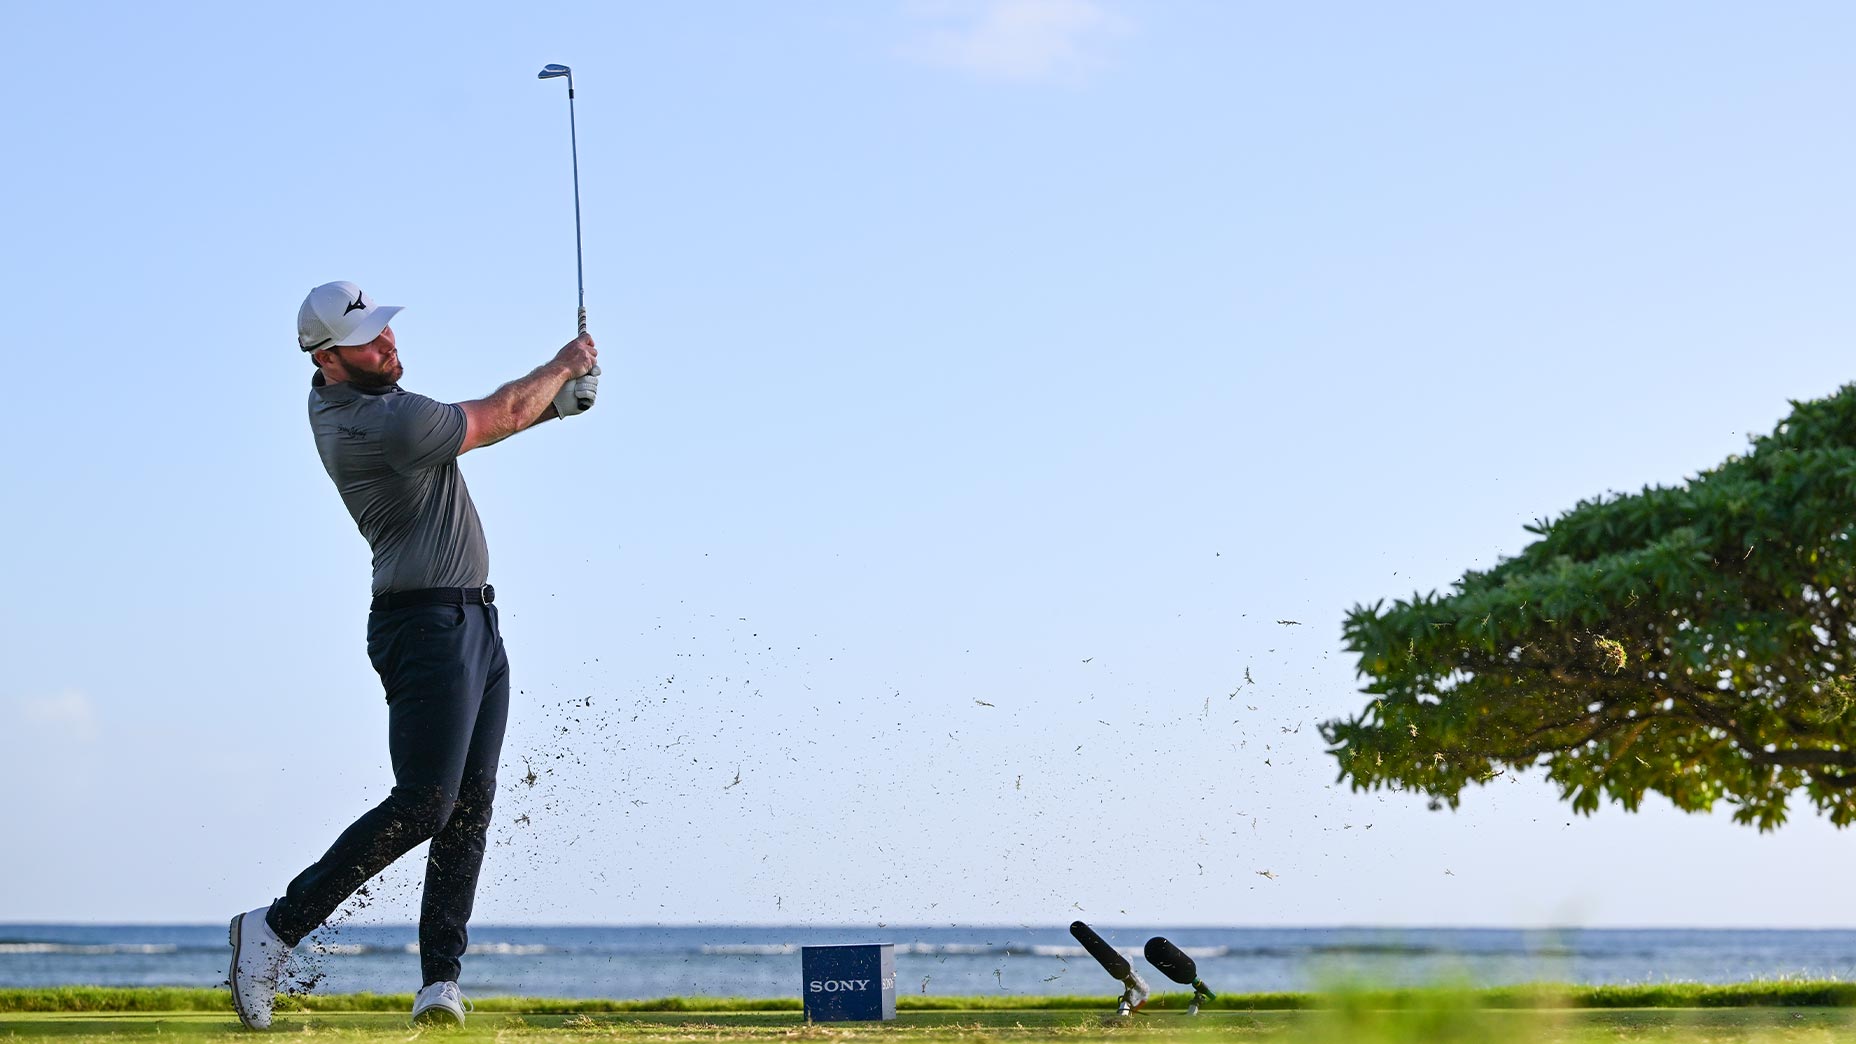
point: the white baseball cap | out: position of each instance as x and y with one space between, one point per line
340 315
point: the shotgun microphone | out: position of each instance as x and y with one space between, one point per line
1099 948
1175 965
1111 959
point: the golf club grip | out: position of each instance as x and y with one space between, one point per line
585 404
1111 958
1163 955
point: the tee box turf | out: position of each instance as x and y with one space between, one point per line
849 983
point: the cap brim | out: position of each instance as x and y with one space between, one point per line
370 327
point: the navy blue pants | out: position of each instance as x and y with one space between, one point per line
447 684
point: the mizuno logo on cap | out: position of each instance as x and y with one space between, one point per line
357 303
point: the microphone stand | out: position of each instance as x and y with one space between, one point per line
1134 996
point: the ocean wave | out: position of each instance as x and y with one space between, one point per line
87 950
341 949
948 949
763 960
945 949
1067 952
483 949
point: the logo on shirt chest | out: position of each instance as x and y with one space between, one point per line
351 434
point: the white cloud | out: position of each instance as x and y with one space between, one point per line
69 712
1016 39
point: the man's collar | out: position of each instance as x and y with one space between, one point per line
344 391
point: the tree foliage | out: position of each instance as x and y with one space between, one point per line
1694 640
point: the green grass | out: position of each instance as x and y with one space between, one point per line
1446 1024
1751 1013
1773 994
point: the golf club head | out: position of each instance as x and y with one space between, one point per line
549 72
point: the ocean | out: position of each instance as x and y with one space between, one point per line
734 961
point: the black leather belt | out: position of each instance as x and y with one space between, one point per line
435 596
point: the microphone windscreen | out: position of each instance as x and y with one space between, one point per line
1171 961
1098 948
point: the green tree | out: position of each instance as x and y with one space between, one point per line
1694 640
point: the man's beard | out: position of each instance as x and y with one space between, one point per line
374 380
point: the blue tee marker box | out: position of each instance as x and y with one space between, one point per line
849 983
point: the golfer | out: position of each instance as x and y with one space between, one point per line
432 634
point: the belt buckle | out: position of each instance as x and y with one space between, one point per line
483 595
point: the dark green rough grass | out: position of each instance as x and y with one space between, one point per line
1776 994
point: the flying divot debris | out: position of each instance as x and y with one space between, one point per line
1111 959
1176 965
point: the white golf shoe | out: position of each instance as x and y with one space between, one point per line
440 1004
258 957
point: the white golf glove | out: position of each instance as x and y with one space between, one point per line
577 395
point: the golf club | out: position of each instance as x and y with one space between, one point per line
1176 965
1110 958
550 72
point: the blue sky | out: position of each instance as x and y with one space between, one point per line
986 380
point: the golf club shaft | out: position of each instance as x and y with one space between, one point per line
573 138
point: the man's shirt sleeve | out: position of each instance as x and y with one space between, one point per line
422 432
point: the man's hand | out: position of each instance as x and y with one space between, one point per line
522 402
577 395
579 356
582 360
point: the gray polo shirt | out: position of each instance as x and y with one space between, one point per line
394 457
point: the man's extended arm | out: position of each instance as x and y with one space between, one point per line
526 401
